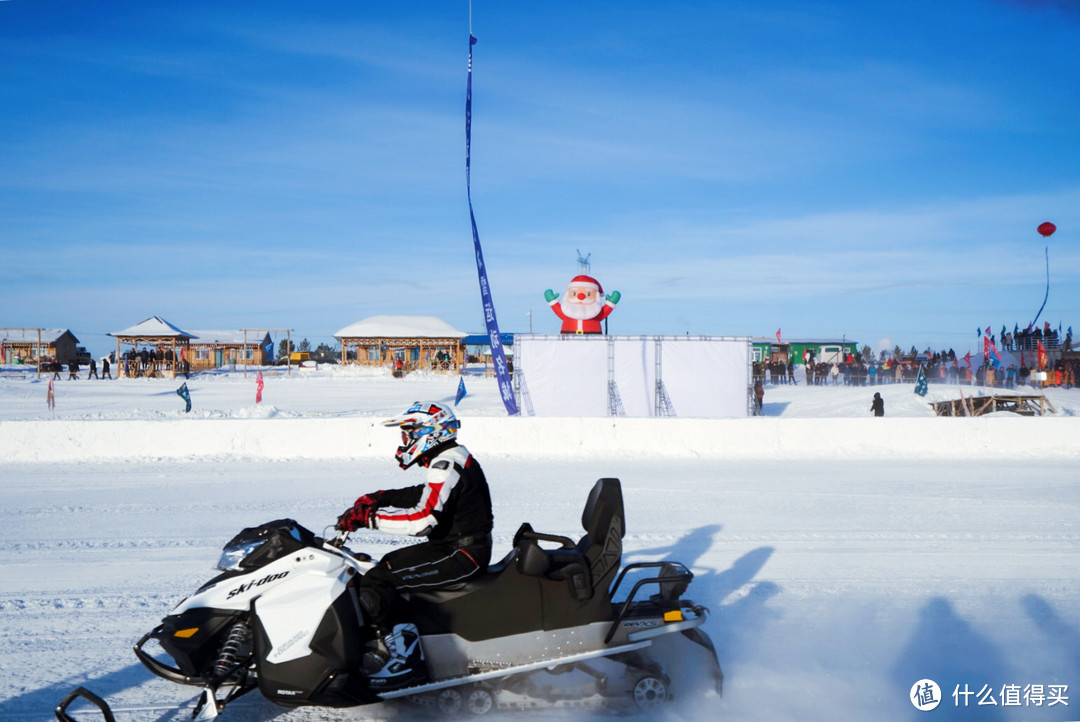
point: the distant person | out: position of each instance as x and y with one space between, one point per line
878 405
93 370
759 395
105 368
73 370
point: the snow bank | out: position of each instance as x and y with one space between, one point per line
1001 437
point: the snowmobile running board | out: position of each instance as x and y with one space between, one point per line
507 671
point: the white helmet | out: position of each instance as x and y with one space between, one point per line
425 426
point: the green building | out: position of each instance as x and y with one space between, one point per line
796 350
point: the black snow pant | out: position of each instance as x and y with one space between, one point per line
421 567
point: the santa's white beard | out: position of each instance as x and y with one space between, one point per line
582 311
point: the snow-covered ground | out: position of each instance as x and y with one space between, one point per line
844 557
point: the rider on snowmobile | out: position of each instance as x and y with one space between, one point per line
452 510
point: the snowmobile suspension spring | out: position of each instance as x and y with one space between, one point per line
231 648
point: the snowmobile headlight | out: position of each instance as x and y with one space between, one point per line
232 556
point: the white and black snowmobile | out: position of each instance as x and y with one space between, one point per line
283 618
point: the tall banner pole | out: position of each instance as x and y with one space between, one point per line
498 354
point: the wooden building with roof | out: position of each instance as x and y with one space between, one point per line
153 347
33 345
405 343
214 349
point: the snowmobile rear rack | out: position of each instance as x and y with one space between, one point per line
673 579
61 709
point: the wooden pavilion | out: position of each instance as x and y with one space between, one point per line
404 343
164 349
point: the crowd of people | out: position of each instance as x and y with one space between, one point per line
74 367
1029 339
149 362
943 367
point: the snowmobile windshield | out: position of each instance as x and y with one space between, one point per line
234 554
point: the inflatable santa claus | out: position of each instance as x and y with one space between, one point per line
584 306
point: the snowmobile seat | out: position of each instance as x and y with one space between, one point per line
564 564
589 565
534 588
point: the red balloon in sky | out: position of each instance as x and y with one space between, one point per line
1047 229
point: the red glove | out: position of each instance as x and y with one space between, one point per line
360 516
371 499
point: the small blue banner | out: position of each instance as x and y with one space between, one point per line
182 392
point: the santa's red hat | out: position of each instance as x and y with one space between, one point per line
586 281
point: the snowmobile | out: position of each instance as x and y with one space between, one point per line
282 618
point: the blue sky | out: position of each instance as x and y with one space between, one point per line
871 170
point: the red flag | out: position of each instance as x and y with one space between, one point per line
778 335
50 399
258 388
1042 357
967 359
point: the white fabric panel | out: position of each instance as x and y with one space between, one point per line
635 373
564 375
706 378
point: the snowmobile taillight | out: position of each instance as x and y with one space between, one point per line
675 615
186 633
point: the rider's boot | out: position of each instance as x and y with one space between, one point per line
395 659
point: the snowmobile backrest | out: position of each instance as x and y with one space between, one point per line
605 523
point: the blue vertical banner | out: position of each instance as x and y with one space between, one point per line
498 354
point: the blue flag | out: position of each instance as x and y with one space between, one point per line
182 392
498 355
460 390
920 383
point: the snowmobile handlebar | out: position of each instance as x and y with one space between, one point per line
338 540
